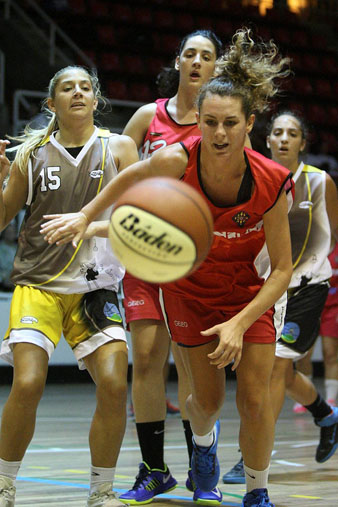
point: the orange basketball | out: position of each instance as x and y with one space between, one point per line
161 229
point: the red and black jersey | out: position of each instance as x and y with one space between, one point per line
238 263
164 130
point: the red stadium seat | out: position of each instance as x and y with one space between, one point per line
77 6
99 9
164 19
134 64
185 21
140 92
316 114
143 15
332 116
323 88
122 12
154 65
302 86
117 90
106 35
110 62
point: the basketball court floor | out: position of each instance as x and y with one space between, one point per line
55 469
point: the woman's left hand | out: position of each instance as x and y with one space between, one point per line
63 228
230 344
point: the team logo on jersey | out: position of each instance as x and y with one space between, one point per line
156 134
28 320
290 332
96 173
241 218
111 312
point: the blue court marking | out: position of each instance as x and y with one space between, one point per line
118 490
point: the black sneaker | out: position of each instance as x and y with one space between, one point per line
328 442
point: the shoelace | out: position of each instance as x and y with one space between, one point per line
207 464
141 478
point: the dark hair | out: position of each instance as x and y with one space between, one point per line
168 79
303 125
247 70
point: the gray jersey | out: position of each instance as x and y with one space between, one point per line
60 183
310 228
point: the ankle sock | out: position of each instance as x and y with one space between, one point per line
319 408
255 479
100 475
9 468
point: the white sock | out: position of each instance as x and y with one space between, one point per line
9 468
256 479
204 440
331 388
100 475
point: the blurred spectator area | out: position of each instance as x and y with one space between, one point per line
131 41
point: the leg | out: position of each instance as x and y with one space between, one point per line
330 355
150 351
19 412
254 405
108 366
184 388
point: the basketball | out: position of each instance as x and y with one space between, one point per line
161 229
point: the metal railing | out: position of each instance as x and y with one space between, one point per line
22 103
51 33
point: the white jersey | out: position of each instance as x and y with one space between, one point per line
60 183
310 228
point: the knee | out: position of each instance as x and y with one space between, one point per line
209 405
28 388
251 405
112 391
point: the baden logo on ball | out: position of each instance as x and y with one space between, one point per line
161 229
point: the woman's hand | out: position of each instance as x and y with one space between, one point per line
230 344
4 162
63 228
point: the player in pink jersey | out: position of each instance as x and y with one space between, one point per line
154 126
237 321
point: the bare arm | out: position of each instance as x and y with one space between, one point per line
13 198
169 161
139 123
331 197
277 234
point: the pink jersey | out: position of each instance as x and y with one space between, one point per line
164 130
141 299
238 262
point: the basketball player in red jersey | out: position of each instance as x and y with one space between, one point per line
154 126
233 306
64 164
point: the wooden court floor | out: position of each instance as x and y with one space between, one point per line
55 469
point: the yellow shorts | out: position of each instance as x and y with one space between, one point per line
40 317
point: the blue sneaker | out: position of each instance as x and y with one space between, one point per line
149 482
257 498
205 465
236 475
213 497
328 442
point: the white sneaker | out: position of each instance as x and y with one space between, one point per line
103 497
7 492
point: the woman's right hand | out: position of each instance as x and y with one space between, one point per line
4 162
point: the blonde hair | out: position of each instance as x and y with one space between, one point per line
247 70
31 138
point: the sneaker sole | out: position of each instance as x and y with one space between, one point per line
333 450
235 480
208 502
144 502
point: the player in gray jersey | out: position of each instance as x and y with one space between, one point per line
313 220
59 290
